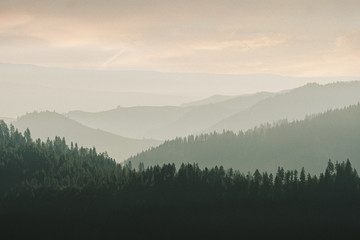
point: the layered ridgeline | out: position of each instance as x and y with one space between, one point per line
210 100
309 143
221 112
167 122
125 88
293 105
45 125
53 189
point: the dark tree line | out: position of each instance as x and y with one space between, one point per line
46 185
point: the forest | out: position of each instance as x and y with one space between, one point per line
54 189
308 143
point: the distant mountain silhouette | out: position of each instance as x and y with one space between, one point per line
210 100
234 113
243 102
294 104
309 143
193 120
165 122
133 122
51 124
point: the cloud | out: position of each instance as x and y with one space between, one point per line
230 36
113 58
9 21
349 45
244 44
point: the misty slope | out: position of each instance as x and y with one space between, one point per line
7 120
243 102
309 143
165 122
154 122
51 124
134 122
210 100
293 105
192 121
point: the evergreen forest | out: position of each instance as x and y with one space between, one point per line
53 190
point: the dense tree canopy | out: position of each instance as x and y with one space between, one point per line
56 185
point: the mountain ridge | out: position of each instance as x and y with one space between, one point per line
45 125
308 143
293 104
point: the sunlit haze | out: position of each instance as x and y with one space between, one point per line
94 55
292 38
180 119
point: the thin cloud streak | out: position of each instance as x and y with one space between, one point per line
113 58
245 45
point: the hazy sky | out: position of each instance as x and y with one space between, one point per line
293 38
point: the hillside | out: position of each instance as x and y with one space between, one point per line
169 121
133 122
63 89
310 143
293 105
210 100
51 188
51 124
194 120
237 113
244 102
154 122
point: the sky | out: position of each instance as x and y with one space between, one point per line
290 38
